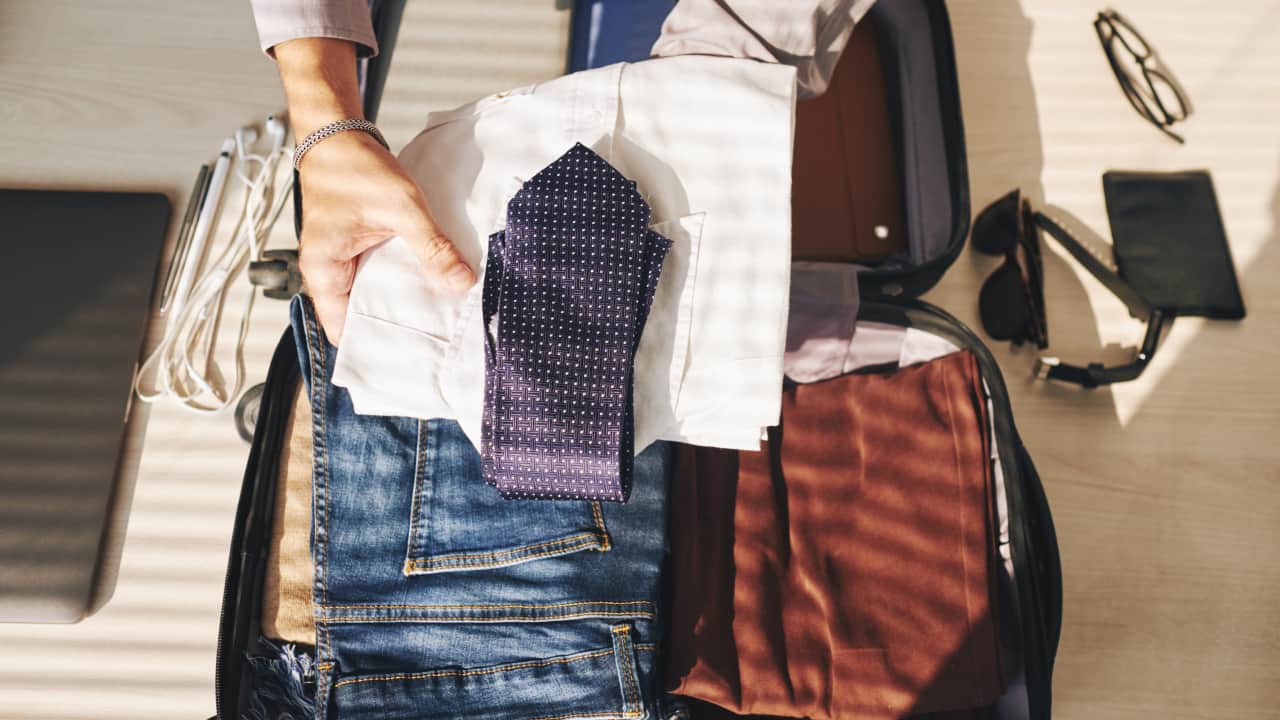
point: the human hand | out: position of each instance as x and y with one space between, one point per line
355 194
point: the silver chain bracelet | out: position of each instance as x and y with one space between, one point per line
334 128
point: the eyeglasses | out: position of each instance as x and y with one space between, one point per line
1146 81
1011 302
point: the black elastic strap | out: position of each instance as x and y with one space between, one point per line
1074 374
1137 305
1094 374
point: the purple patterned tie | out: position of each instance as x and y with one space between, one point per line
567 289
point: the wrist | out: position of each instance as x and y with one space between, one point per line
319 77
312 119
332 132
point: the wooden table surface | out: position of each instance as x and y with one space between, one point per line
1166 491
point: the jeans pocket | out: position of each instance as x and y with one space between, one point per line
457 522
600 684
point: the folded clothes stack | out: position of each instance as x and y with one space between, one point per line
650 467
846 568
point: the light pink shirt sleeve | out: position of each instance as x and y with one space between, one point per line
809 34
281 20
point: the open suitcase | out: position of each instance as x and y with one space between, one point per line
914 47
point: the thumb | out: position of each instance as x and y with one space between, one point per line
438 255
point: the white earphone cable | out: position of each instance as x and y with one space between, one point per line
184 362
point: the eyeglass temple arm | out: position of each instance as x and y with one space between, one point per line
1108 277
1093 375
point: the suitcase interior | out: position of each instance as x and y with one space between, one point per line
920 89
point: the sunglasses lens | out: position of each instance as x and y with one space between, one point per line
1002 304
995 230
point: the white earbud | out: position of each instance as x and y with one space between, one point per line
275 132
245 137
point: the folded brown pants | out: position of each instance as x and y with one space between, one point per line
844 571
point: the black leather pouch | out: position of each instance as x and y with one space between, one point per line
1170 244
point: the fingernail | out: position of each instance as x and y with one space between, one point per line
460 277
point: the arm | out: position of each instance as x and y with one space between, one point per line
355 193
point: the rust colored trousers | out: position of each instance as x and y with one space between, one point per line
845 570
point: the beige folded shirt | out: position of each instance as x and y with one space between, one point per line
808 34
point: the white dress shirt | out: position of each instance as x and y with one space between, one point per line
708 142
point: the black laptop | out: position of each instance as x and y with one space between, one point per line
77 271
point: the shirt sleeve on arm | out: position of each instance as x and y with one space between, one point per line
281 20
808 34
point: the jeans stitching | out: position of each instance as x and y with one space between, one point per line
477 672
622 715
493 554
622 648
419 481
419 561
592 541
493 619
319 455
528 606
319 482
605 544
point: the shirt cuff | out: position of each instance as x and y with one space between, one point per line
282 20
366 45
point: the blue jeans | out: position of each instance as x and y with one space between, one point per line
435 598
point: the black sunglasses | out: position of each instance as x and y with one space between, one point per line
1146 81
1011 302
